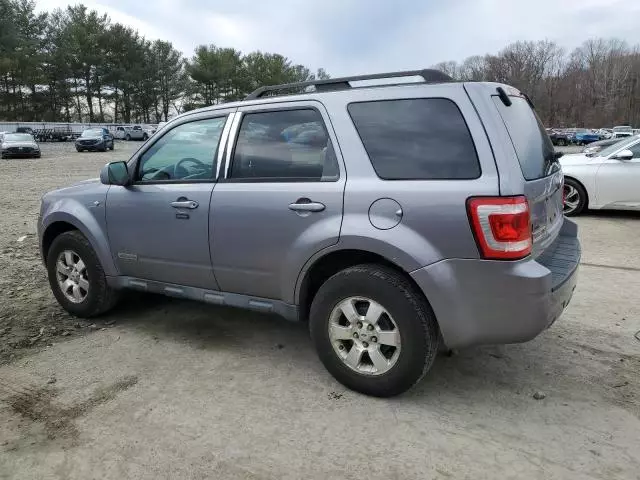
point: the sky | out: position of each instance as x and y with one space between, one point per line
348 37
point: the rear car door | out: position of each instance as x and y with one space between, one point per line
618 181
280 200
159 226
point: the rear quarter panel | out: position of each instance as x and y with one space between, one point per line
434 222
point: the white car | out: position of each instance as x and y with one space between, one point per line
136 132
609 179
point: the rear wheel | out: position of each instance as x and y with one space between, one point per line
575 197
373 331
145 137
128 137
77 278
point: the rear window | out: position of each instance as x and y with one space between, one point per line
416 139
533 147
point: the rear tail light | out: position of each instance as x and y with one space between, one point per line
502 226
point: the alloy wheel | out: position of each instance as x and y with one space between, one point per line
364 336
71 273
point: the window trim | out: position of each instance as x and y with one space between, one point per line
214 177
399 99
234 136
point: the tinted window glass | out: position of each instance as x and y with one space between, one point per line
636 150
285 145
186 152
533 146
416 139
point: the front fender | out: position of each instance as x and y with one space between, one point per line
88 219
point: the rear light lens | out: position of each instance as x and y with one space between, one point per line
502 226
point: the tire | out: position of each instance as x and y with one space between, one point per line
128 138
574 194
99 298
112 146
145 137
403 306
79 150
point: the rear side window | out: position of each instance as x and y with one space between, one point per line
416 139
533 146
286 145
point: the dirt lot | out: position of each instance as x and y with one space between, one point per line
168 389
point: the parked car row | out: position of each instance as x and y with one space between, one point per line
585 136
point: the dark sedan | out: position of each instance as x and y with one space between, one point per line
95 139
19 145
559 137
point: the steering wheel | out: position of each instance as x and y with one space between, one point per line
186 160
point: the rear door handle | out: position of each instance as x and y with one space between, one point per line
190 204
307 207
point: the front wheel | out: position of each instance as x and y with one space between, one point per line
77 278
575 198
127 138
373 331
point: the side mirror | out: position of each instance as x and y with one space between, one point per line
624 155
115 173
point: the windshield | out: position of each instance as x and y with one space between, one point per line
18 137
533 146
605 152
93 132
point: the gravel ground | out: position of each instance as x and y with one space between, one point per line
162 388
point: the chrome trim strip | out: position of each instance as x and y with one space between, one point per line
223 142
231 140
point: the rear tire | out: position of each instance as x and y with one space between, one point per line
404 309
127 138
575 197
97 297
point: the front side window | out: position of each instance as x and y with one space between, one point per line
288 145
186 152
416 139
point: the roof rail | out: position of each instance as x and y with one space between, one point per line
343 83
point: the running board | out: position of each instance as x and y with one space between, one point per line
213 297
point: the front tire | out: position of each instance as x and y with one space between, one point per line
127 138
77 278
373 331
575 198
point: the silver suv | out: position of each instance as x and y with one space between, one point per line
394 218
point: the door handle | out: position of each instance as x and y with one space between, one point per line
307 207
190 204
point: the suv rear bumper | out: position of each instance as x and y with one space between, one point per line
496 302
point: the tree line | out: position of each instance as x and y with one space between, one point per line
75 65
596 85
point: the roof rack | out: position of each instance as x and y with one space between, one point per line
343 83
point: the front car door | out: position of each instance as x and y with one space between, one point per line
159 226
280 200
618 181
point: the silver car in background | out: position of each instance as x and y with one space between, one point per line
607 179
135 132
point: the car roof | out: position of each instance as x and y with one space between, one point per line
340 86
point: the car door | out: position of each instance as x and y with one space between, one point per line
618 181
159 226
280 200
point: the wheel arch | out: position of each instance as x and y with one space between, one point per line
325 266
62 221
579 182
